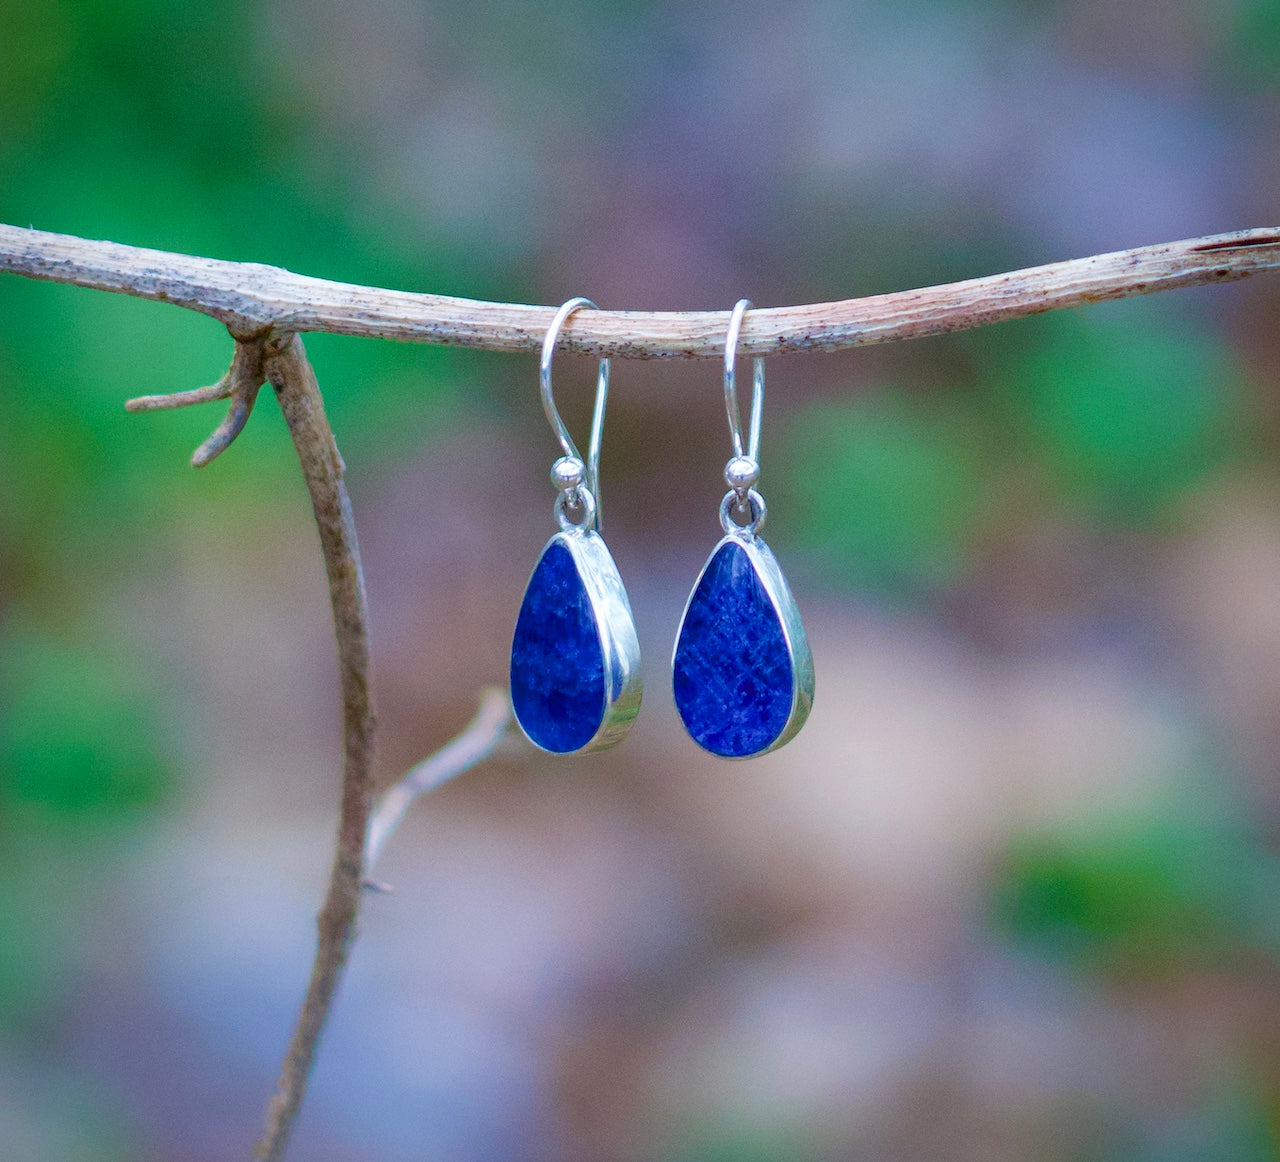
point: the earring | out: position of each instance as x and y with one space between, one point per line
742 671
575 658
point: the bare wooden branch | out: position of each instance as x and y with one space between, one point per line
286 368
283 362
252 299
475 744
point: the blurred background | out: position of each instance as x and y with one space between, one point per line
1014 893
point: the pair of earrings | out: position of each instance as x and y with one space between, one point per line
742 670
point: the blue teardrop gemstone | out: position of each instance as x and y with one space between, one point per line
557 662
733 678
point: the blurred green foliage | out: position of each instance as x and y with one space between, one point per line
1178 893
1161 890
1114 417
139 121
737 1139
77 735
901 489
1252 43
1125 410
1236 1124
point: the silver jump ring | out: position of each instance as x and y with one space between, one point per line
584 499
752 450
759 512
553 413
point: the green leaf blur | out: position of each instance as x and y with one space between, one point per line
1169 888
1112 417
78 733
1125 410
900 490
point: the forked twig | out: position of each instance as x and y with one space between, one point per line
284 364
241 383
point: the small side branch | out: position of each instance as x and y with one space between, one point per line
476 743
180 399
242 382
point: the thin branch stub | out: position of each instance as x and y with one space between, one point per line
478 740
241 384
179 399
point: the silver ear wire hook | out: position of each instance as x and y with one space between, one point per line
563 471
744 469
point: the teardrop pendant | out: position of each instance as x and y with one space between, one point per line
575 657
742 671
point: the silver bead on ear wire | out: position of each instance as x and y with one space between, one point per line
740 474
568 473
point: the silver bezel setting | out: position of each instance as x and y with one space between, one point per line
619 645
775 585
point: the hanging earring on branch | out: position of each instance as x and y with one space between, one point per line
575 657
742 671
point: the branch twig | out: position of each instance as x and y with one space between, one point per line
286 368
476 743
361 836
252 299
241 383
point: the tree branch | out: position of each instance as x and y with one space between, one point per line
252 299
475 744
286 368
284 364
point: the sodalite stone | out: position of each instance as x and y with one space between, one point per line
557 667
733 677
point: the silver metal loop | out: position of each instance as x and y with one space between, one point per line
586 500
759 512
752 449
553 414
